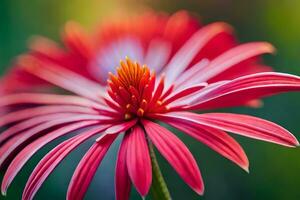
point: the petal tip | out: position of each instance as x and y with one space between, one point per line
246 169
199 191
296 144
3 192
270 47
245 166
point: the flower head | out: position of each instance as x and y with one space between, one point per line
134 103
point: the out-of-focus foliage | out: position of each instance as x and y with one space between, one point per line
274 171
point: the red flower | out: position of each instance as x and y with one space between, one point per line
136 99
94 55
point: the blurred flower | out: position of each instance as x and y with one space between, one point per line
151 38
195 69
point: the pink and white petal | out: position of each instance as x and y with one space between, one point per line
30 123
187 78
241 90
189 50
40 98
62 77
52 159
19 141
43 110
122 179
232 57
217 140
157 47
245 125
121 127
22 157
87 168
185 92
138 160
176 153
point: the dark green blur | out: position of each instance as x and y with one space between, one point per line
274 170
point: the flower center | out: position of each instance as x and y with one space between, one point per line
132 88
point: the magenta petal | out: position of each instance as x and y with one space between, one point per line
251 127
232 57
121 127
20 160
241 90
39 98
177 154
122 179
52 159
138 160
62 77
43 110
245 125
19 140
189 50
217 140
87 168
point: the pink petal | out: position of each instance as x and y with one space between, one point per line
138 160
87 168
43 110
189 50
20 140
29 123
217 140
245 125
62 77
39 98
20 160
184 93
241 90
52 159
122 179
77 40
121 127
232 57
187 78
177 154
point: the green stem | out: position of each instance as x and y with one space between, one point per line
159 189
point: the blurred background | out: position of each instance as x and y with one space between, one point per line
274 170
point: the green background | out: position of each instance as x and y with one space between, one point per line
274 170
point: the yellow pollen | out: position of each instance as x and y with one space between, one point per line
159 103
140 112
144 104
127 116
128 106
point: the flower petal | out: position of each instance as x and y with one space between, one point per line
138 160
184 93
62 77
217 140
241 90
77 40
122 179
52 159
232 57
43 110
177 154
18 141
30 123
245 125
87 168
38 98
20 160
121 127
189 50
